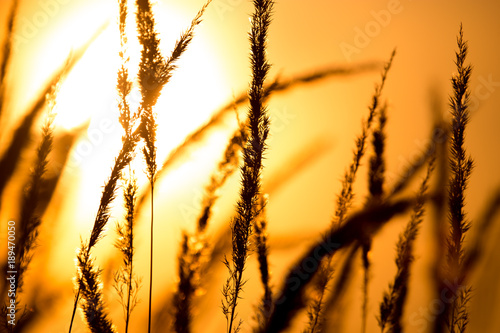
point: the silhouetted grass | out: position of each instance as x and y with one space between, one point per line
455 314
319 291
345 197
391 308
258 130
126 282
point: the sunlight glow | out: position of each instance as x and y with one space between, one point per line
88 97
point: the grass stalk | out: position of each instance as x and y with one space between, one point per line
225 169
376 180
344 199
102 217
453 317
262 249
91 292
125 278
125 156
150 299
252 161
30 221
30 217
346 196
392 305
185 288
154 73
194 248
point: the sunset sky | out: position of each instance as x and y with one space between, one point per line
304 36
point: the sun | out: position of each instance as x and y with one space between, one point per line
86 102
87 98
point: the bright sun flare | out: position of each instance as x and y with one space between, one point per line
88 98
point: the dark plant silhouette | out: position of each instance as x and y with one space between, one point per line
321 279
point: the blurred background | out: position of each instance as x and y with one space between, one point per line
314 123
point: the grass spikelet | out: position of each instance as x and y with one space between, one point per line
124 85
460 170
154 73
185 289
344 199
461 314
376 190
252 160
316 309
126 282
125 156
183 42
47 170
91 292
225 169
195 248
103 214
377 164
30 220
460 164
190 262
108 195
392 306
152 66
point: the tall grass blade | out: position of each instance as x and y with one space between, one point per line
30 219
262 248
125 156
346 195
252 161
194 249
126 282
392 306
91 292
154 73
461 168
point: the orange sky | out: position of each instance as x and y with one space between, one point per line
304 35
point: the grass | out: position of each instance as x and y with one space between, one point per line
309 296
